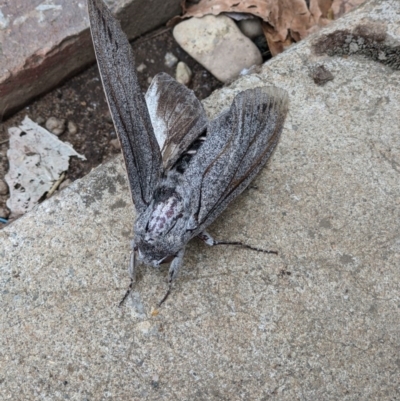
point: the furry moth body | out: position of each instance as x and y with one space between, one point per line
183 170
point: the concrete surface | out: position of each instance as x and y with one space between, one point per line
44 42
321 321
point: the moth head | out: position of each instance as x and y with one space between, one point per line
150 256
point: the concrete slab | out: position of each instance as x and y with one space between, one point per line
43 43
321 321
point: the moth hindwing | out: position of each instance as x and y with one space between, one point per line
183 170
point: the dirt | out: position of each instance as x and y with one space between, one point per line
81 100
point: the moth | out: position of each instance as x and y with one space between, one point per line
183 170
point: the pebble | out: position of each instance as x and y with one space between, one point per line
3 188
218 44
141 67
4 212
107 116
251 27
183 73
115 143
40 120
65 184
321 75
170 60
72 128
55 125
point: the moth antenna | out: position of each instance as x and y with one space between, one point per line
127 293
240 244
209 240
166 295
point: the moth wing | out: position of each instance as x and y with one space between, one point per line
126 102
177 116
238 144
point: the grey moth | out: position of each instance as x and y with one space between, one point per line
183 170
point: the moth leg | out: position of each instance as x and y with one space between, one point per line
209 240
132 262
132 273
172 273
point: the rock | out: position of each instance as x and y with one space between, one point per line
72 128
37 160
170 60
141 67
250 27
115 143
4 212
107 117
65 184
320 74
183 73
55 125
40 120
45 56
217 43
3 188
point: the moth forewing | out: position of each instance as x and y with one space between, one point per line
126 102
238 145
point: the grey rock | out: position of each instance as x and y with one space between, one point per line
250 27
320 74
183 73
217 44
55 125
320 321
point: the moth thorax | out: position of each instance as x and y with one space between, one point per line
163 217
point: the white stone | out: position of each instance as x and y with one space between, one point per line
55 125
72 128
170 60
251 27
183 73
217 44
141 67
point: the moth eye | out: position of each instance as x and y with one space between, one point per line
149 239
